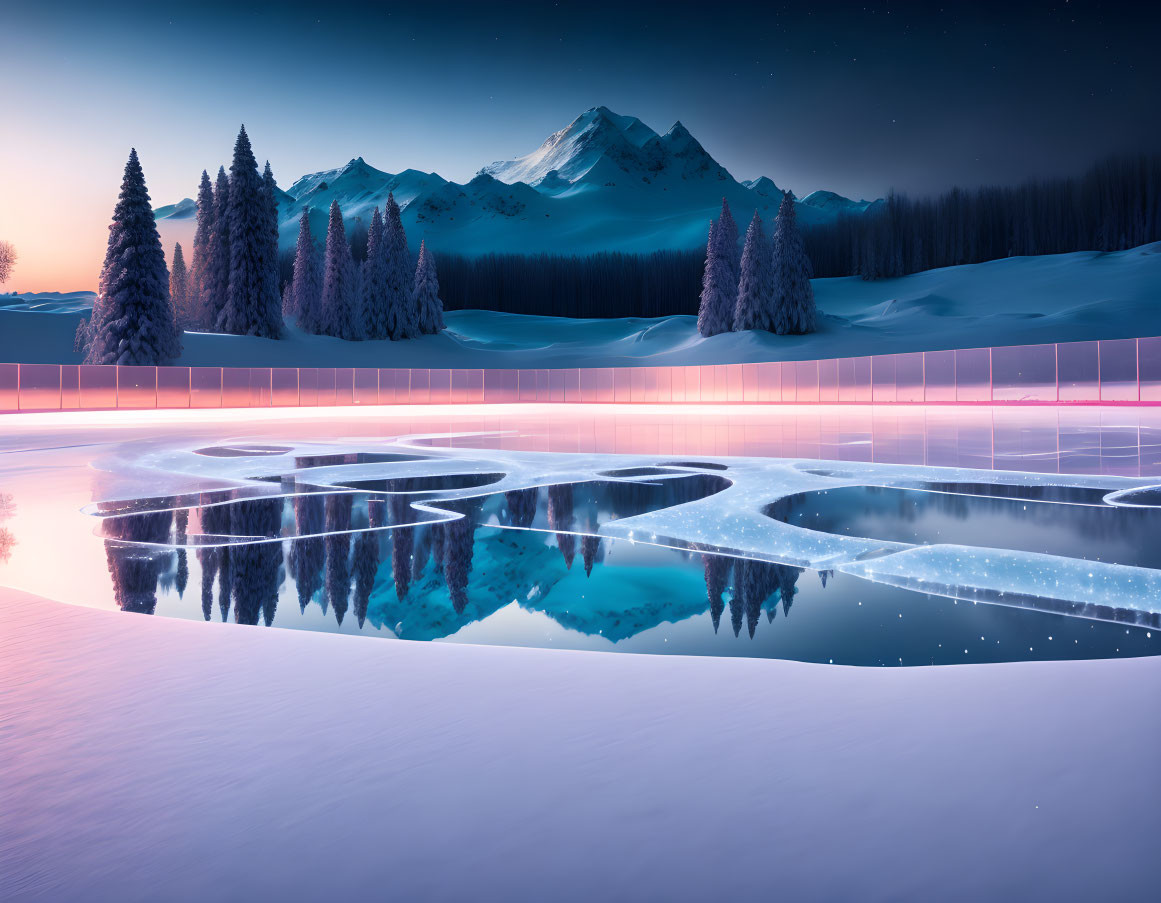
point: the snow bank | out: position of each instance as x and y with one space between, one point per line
152 758
1020 300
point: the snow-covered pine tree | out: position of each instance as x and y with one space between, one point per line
199 264
755 285
715 313
374 282
271 310
216 280
179 294
339 302
425 294
793 301
132 321
728 230
401 320
252 308
306 287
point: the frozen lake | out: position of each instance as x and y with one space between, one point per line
838 535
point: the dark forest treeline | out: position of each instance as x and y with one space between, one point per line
607 284
1115 205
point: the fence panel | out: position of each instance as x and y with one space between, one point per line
9 387
40 387
1118 371
1024 373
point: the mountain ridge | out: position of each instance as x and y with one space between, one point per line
604 182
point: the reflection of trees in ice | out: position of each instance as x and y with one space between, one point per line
338 550
755 581
459 541
367 557
308 552
560 518
717 575
402 541
590 552
135 569
521 505
256 568
215 561
181 532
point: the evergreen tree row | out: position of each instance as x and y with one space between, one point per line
230 286
767 287
383 297
1115 205
233 285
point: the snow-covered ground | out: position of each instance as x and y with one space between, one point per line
1054 298
152 758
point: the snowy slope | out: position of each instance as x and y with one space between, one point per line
604 182
1054 298
155 758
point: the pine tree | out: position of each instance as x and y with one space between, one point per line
755 285
425 294
200 263
179 294
401 321
715 314
271 295
216 282
793 302
252 305
132 321
729 237
306 287
339 302
374 282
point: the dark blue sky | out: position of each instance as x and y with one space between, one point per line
857 98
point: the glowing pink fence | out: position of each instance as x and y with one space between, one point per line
1120 371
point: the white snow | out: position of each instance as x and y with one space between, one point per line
148 758
1020 300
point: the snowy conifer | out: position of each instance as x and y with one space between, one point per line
306 286
374 282
755 286
179 294
200 262
339 304
252 305
132 321
271 296
793 300
402 322
728 230
425 294
216 280
715 313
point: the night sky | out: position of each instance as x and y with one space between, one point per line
857 98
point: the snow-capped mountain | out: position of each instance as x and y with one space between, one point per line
829 202
604 182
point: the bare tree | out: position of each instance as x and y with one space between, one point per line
7 259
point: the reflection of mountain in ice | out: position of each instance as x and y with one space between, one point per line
435 499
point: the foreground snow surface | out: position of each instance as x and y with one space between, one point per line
151 758
1021 300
